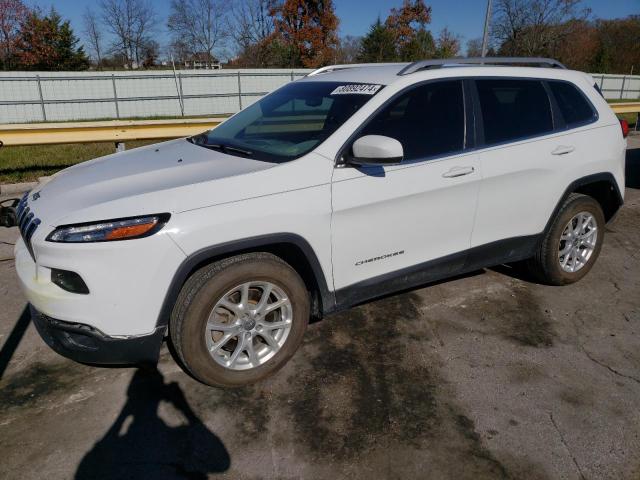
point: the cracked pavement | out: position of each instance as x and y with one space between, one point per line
483 376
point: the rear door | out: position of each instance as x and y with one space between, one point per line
518 163
388 221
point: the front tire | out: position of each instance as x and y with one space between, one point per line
572 244
240 319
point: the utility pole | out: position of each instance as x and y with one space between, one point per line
487 22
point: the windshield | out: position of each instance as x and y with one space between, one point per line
290 122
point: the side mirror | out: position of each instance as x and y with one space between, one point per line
376 150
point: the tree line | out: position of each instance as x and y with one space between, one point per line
302 33
33 40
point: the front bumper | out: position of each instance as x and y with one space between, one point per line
127 281
86 344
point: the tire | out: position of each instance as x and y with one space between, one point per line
242 352
546 265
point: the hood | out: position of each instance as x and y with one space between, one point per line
136 172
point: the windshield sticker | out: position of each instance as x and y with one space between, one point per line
357 89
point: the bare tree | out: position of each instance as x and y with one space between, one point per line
198 24
131 22
474 47
178 50
348 49
533 27
251 23
93 33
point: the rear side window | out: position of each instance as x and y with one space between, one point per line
513 109
427 120
575 108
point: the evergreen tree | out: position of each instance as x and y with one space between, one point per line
47 43
378 45
403 37
419 47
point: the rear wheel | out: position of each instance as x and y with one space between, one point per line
239 320
572 244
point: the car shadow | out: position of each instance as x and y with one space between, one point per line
13 340
516 270
140 445
632 168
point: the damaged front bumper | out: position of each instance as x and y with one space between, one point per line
86 344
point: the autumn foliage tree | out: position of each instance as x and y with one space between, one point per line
408 25
617 45
309 28
404 37
448 44
12 15
563 29
46 42
579 51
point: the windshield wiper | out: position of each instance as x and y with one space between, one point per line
223 148
236 149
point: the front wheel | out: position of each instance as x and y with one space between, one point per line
240 319
571 246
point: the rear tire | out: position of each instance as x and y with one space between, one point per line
572 244
240 319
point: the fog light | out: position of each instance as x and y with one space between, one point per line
69 281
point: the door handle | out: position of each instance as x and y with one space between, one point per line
458 172
562 150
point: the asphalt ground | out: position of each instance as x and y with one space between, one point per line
481 377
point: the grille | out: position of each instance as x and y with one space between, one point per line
27 223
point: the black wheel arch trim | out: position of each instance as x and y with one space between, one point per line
581 182
207 254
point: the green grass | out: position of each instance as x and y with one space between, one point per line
26 164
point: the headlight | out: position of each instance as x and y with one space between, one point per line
109 230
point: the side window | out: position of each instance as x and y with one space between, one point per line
513 109
427 120
575 108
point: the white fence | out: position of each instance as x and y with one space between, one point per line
64 96
622 87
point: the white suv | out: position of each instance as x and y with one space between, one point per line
349 184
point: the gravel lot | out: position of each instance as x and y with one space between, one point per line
485 376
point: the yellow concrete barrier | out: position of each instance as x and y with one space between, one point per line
626 107
128 130
106 131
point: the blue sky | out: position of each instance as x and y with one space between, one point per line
464 17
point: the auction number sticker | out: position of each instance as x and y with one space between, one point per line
356 88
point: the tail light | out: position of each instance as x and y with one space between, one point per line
625 128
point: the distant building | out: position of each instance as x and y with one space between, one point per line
201 61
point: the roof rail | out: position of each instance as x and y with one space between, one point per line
333 68
452 62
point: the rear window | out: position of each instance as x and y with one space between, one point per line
575 108
513 109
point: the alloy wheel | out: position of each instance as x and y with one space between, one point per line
577 242
248 325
